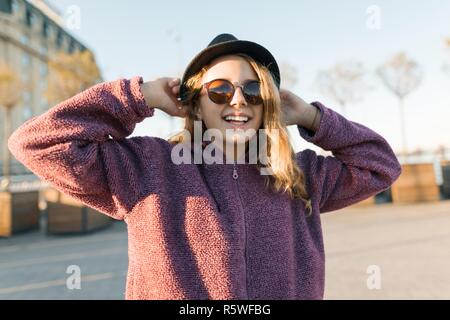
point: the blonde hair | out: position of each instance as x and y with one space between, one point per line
286 175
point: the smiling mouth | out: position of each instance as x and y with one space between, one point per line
237 120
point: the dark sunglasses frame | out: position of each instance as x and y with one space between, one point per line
235 85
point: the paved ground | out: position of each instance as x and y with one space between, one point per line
409 244
34 265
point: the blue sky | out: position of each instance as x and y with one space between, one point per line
131 38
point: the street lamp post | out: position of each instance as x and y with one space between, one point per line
11 88
5 183
177 38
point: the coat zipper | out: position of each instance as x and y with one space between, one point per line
235 177
235 174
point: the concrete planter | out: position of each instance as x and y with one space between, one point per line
445 166
417 183
381 197
67 215
365 203
19 211
384 196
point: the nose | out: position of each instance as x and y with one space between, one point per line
238 98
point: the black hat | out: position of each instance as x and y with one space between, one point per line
224 44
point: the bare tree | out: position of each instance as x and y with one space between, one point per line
401 75
441 151
177 39
11 88
344 83
446 66
70 74
290 75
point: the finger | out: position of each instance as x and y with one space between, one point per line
174 82
176 89
284 96
284 93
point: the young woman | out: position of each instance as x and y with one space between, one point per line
210 230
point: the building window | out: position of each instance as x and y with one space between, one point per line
59 39
43 85
15 6
26 96
45 29
43 50
26 112
26 60
24 39
26 76
43 70
71 46
50 30
30 18
6 6
44 102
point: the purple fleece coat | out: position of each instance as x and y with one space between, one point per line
231 240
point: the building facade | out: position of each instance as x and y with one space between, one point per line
31 32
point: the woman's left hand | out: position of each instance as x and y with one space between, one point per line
292 107
295 111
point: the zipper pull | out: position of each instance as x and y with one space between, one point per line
235 174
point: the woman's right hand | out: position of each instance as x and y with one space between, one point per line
163 93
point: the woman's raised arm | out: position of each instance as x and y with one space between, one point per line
363 163
80 145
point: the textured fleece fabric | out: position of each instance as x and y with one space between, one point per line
188 238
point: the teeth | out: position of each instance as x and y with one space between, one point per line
236 118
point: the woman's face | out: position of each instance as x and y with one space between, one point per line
235 69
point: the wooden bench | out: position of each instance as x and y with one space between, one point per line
19 211
417 183
68 215
445 166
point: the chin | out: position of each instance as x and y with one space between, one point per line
239 138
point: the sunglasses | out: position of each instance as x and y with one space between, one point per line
221 91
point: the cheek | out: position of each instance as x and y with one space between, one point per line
210 115
258 117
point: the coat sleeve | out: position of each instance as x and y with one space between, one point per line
362 165
80 147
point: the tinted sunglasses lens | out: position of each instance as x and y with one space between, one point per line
252 92
220 91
